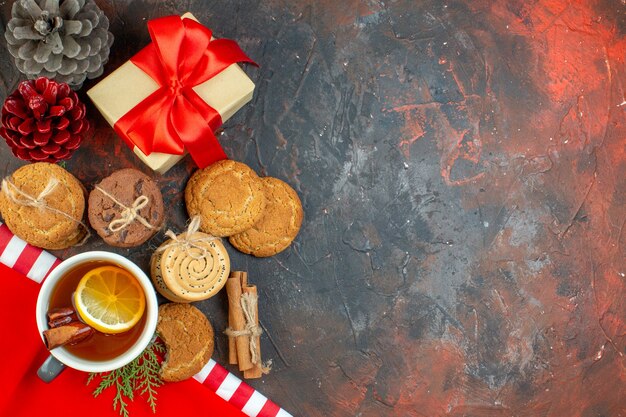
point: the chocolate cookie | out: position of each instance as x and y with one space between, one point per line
227 196
44 205
188 337
126 208
279 225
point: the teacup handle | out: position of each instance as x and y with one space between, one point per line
50 369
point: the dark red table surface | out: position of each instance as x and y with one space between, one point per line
462 167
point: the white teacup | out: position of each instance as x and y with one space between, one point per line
51 368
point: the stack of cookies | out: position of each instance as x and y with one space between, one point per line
44 204
192 266
261 216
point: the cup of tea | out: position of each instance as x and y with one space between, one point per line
100 350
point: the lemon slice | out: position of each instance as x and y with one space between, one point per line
109 299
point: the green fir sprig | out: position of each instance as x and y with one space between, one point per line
139 376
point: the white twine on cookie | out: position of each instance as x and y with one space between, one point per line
185 241
129 214
22 198
28 200
251 330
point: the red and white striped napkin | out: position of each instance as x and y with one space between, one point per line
28 260
36 264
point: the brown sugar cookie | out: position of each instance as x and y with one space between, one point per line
126 208
44 204
228 197
279 225
188 337
75 239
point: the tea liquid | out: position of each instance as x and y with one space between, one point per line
100 346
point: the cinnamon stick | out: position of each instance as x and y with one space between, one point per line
71 333
232 346
256 370
60 321
243 279
242 343
58 312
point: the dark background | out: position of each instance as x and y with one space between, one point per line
462 167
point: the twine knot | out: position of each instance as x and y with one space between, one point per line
25 199
185 241
129 214
22 198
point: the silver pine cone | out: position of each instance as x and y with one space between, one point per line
68 42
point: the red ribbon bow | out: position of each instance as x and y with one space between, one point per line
181 56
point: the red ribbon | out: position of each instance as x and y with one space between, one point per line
181 56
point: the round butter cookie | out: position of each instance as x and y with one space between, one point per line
192 272
279 225
228 197
188 337
44 204
157 278
110 204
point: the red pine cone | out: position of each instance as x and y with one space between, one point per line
43 121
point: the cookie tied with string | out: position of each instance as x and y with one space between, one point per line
191 266
126 208
44 205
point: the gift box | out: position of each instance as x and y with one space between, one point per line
169 98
